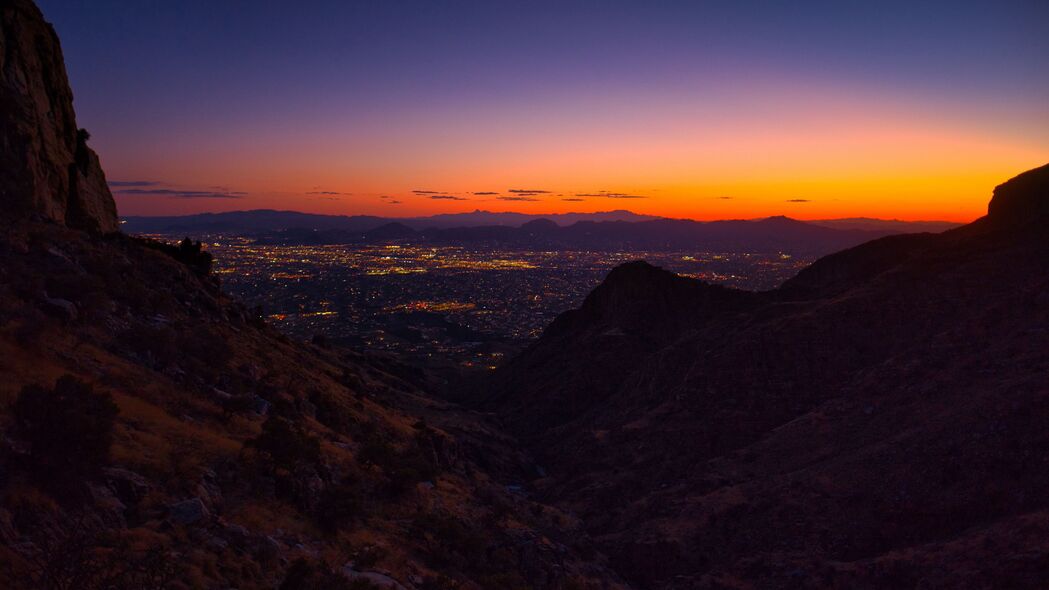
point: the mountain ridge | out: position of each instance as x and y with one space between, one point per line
834 432
276 220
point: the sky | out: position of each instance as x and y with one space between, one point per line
705 110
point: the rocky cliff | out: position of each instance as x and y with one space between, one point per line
47 171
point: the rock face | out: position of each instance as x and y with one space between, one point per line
1023 199
46 169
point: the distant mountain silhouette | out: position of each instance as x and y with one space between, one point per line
895 226
774 234
268 220
877 422
613 230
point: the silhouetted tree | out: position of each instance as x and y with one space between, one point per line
188 252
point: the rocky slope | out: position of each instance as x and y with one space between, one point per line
156 434
876 422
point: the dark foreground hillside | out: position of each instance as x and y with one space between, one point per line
877 422
155 434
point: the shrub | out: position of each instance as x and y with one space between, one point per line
157 346
450 542
69 429
188 252
286 443
332 413
338 507
311 575
403 468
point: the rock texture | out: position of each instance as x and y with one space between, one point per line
47 171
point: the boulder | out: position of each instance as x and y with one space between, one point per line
128 486
374 578
62 308
188 511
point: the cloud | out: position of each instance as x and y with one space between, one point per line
523 197
799 201
330 193
395 202
448 197
427 192
572 199
528 191
611 195
181 194
726 198
486 193
131 183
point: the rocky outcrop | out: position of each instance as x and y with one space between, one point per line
46 169
1022 199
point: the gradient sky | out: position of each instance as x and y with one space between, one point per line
912 110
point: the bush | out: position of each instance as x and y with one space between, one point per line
403 468
332 413
286 443
69 429
338 507
450 542
311 575
188 252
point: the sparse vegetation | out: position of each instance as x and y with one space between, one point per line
311 575
69 429
188 252
339 506
286 444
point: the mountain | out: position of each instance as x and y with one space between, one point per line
876 422
889 226
267 221
774 234
155 433
601 231
247 222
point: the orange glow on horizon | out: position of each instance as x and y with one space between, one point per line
826 157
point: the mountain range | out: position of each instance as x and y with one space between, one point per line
268 220
615 230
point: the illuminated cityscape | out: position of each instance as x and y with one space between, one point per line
472 305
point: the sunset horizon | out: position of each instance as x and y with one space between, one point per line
683 110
